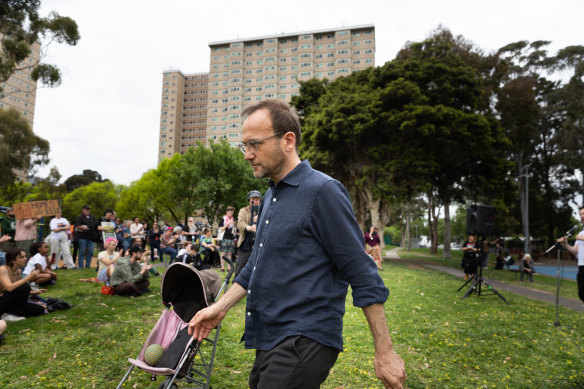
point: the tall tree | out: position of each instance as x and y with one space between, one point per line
20 148
78 180
21 27
100 196
212 178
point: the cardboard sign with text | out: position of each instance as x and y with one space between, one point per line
32 209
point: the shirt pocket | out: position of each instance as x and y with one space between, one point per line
283 231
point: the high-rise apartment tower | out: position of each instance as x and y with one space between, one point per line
183 112
245 71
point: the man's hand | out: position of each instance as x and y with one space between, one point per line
389 368
204 321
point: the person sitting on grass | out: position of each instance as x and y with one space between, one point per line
167 241
106 260
130 278
527 267
15 290
208 248
38 261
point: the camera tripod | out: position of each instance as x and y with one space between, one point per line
477 281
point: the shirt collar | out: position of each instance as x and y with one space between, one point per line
293 178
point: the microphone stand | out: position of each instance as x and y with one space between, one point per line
559 246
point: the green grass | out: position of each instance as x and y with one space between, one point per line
475 343
568 288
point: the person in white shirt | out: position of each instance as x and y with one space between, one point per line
577 250
136 230
59 240
38 261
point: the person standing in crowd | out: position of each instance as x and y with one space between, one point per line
578 251
127 236
38 261
3 238
469 257
15 290
136 229
59 240
373 245
26 232
119 233
247 218
308 249
145 233
130 278
227 227
8 227
108 217
87 234
154 241
106 260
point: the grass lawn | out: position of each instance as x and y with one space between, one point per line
475 343
568 288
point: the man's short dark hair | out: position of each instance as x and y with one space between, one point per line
136 248
284 119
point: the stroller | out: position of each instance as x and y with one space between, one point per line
187 291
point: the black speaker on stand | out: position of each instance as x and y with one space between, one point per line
480 220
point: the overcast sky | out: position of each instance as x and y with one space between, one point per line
105 115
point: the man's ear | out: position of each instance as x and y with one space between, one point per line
290 141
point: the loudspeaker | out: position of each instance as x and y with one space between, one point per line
480 219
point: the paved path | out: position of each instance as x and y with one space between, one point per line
533 294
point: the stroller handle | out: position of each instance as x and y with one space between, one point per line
231 269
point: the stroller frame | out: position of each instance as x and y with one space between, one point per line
193 366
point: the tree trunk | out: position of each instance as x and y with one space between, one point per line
446 252
432 224
380 214
408 233
360 207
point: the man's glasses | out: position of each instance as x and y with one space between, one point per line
252 144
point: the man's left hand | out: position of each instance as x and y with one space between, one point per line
390 368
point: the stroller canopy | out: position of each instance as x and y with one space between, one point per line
189 289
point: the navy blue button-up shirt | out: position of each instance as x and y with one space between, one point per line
308 249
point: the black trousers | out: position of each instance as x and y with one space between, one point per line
297 362
132 288
580 278
242 258
16 303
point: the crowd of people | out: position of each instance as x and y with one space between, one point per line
126 250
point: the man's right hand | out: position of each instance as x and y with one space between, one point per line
205 321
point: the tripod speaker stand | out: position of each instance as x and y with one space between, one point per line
477 281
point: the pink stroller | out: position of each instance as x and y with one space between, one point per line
185 290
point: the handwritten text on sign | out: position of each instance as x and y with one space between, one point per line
36 208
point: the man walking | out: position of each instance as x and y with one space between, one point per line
246 224
577 250
308 249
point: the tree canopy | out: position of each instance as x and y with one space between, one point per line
20 148
21 27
